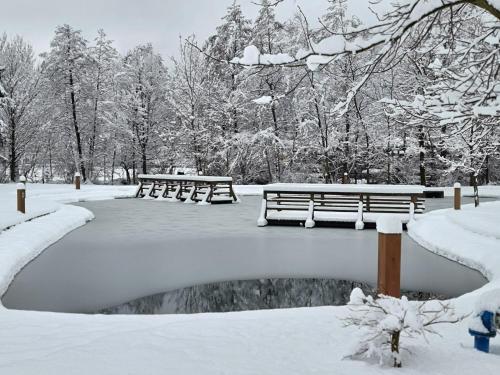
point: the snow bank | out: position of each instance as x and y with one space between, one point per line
470 236
25 241
9 216
487 191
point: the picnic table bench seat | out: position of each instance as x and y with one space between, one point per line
359 204
197 189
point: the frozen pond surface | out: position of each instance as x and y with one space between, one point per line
136 248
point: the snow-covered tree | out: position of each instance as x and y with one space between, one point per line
102 68
144 84
66 66
20 108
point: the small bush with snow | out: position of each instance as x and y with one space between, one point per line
384 320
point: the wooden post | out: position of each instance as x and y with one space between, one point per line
457 196
21 198
77 181
389 230
22 179
344 178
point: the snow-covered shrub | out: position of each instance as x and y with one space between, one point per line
384 320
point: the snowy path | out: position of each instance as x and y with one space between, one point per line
136 248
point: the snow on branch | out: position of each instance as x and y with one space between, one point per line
392 26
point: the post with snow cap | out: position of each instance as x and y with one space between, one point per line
77 181
389 228
458 196
22 179
21 198
344 178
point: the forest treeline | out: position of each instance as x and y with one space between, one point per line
83 107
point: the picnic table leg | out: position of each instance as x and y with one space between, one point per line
139 190
163 191
192 192
149 191
178 196
232 193
207 197
262 220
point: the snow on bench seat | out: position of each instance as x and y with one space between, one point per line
341 188
170 177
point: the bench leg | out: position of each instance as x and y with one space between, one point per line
262 220
310 216
360 225
412 211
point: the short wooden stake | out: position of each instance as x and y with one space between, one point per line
21 198
344 178
77 181
22 179
457 196
389 256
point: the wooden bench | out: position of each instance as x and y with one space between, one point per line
358 204
190 189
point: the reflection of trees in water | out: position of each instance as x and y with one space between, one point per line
249 295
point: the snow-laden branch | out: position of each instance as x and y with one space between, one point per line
390 28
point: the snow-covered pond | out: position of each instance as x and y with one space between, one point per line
136 248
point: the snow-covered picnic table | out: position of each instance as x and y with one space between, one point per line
188 188
359 204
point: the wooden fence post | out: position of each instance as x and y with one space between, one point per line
77 181
21 198
389 230
22 179
457 196
344 178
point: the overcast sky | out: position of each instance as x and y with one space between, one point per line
131 22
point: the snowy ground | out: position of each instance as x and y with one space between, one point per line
296 341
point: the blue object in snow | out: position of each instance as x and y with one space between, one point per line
482 339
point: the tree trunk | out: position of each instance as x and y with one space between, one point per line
113 167
421 144
13 156
395 348
77 129
277 149
473 183
144 159
93 136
